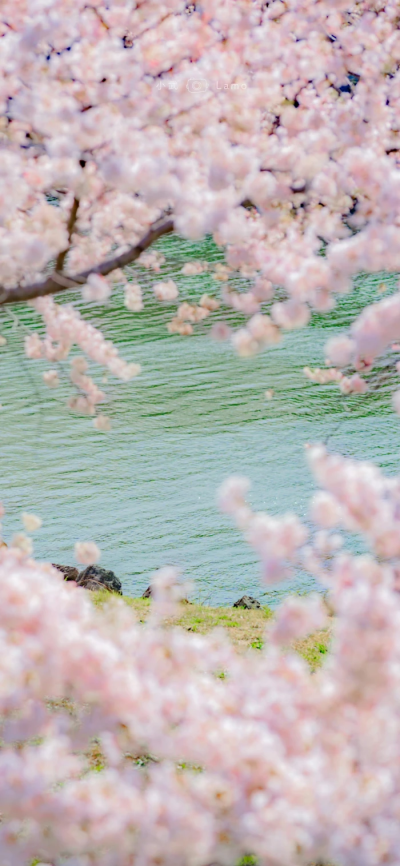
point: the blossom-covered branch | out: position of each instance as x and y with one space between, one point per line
58 282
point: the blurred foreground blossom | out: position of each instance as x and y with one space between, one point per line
87 552
23 543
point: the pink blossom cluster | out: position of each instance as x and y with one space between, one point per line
259 332
87 552
371 333
187 314
195 268
66 327
355 497
295 767
324 376
278 541
166 291
354 384
153 260
51 378
296 618
358 498
133 297
273 127
96 289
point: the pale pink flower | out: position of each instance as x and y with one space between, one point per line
220 331
97 289
102 422
81 405
325 510
133 298
51 378
232 493
353 384
243 302
327 543
130 371
192 269
290 314
79 364
296 618
176 326
244 344
152 259
166 291
31 521
323 377
33 346
262 289
339 351
87 552
209 303
23 543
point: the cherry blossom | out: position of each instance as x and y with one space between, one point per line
133 297
102 422
23 543
167 291
97 289
193 268
296 618
51 378
31 521
87 552
273 128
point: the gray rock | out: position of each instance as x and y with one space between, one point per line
247 602
94 577
69 572
94 585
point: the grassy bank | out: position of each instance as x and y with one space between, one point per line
247 629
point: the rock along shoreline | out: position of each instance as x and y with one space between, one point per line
96 578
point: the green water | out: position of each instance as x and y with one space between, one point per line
145 492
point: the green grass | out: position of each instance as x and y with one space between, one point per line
248 629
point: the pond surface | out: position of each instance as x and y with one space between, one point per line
145 492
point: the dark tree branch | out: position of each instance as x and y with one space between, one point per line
70 226
249 205
57 282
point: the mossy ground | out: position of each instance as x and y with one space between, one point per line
247 629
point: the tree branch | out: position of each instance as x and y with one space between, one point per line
60 283
70 226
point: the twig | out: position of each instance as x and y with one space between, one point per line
70 226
